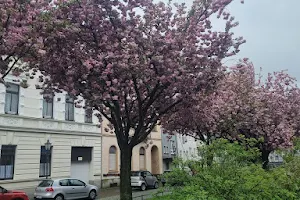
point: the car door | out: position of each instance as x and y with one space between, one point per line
65 188
79 189
149 178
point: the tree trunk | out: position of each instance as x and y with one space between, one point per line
210 155
125 182
265 158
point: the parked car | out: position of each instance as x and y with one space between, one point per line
65 189
12 194
143 180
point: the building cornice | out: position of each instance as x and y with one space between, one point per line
40 125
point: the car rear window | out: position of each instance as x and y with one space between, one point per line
46 183
135 173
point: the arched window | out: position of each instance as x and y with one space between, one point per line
112 158
142 158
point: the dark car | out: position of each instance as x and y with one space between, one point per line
12 194
143 180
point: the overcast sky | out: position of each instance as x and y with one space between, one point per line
272 31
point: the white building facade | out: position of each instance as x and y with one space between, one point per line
28 120
187 147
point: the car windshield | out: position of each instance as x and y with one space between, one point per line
135 173
45 183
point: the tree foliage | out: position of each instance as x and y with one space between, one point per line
243 103
18 34
133 61
234 175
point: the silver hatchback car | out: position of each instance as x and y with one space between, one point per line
65 189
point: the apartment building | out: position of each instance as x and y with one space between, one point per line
169 145
29 122
187 147
145 156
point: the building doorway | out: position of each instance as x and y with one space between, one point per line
81 158
155 160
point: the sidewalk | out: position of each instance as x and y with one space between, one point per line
113 194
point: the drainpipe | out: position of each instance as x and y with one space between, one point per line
101 181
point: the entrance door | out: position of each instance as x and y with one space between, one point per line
80 170
81 158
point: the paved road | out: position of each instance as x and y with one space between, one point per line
113 194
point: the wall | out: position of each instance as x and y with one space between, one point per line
27 159
187 147
169 141
31 102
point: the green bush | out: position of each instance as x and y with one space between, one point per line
229 171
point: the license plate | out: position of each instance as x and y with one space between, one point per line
38 197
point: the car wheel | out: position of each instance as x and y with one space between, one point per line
156 185
59 197
92 195
143 187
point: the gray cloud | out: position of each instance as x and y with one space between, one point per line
272 31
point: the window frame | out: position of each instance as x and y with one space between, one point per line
88 119
142 153
110 155
10 92
12 159
50 161
68 105
49 96
70 183
148 173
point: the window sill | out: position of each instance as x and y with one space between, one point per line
48 117
6 179
45 176
11 113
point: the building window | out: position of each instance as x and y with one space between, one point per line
7 161
69 108
45 162
173 148
88 116
48 106
167 165
142 158
12 99
113 158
